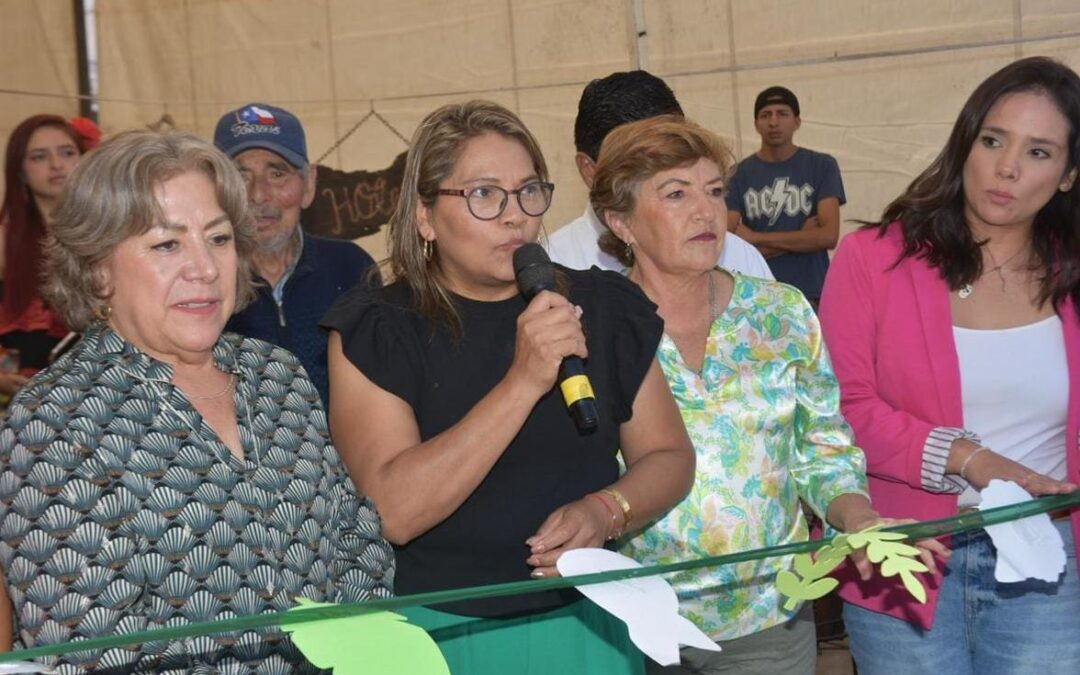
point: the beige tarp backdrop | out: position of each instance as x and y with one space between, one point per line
880 82
37 54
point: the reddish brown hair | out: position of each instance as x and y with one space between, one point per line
635 152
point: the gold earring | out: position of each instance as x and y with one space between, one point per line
429 250
103 313
629 252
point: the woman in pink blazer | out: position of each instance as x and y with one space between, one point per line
954 332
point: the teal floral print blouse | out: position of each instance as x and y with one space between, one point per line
121 511
764 417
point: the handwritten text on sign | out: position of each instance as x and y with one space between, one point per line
353 204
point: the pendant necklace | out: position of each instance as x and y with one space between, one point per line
966 290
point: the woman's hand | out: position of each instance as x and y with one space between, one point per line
548 331
11 381
853 513
580 524
985 465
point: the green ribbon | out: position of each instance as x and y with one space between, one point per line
922 530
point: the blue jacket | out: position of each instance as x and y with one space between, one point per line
326 269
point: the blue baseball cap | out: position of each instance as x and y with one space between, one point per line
257 125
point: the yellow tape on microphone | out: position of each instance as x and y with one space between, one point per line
575 388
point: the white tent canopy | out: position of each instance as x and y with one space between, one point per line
879 83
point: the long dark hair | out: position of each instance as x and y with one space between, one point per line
24 227
931 210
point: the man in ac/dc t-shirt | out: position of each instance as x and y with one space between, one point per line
785 200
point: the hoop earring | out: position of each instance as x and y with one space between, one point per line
429 250
542 237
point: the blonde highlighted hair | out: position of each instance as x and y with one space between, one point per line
433 152
633 153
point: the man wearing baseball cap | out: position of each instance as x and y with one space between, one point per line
785 199
300 275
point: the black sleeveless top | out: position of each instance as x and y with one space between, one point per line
548 464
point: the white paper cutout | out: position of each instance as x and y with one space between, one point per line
647 605
1029 548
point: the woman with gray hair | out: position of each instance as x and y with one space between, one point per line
161 471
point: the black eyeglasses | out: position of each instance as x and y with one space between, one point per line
487 202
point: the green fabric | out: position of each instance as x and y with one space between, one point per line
577 638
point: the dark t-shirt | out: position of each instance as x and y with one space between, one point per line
779 197
548 464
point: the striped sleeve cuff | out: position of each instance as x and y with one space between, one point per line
936 455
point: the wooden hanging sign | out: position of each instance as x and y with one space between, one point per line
353 204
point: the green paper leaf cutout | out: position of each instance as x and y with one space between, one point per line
899 565
834 553
894 557
797 589
379 643
861 539
914 586
789 583
809 581
791 587
804 565
880 550
840 541
887 536
822 587
826 561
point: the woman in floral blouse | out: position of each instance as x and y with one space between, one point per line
745 360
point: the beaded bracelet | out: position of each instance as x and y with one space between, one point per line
614 531
967 460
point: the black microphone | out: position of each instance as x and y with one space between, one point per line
534 273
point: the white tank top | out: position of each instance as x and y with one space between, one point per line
1015 388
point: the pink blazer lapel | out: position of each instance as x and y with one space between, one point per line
935 316
1070 321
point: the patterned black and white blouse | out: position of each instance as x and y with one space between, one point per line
122 511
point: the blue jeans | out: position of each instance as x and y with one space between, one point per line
981 627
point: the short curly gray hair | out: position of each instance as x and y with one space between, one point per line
110 197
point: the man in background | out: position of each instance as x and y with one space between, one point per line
607 103
785 199
299 275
